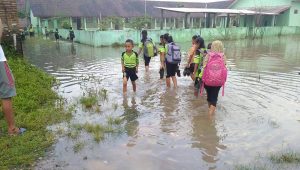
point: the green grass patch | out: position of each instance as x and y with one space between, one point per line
250 167
114 120
78 147
35 109
285 157
89 101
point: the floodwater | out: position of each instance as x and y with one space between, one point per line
170 129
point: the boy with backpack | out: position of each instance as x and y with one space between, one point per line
172 59
214 74
130 65
149 48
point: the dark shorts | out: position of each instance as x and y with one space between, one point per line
147 60
171 69
7 82
212 94
192 66
130 73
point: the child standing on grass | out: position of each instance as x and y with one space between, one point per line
7 91
130 64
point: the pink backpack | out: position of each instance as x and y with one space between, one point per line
215 72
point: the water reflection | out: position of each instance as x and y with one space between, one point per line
205 138
130 115
169 102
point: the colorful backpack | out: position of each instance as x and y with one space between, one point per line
149 48
215 71
173 55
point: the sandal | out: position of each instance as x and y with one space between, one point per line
17 131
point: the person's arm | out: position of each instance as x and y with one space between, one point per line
137 64
122 62
191 56
162 57
140 48
225 60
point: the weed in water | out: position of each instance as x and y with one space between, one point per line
73 134
78 147
285 157
115 106
89 101
250 167
98 109
103 94
114 121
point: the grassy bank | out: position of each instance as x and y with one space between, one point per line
35 108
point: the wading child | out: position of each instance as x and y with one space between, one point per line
214 74
200 53
130 64
56 34
148 47
172 58
7 91
161 51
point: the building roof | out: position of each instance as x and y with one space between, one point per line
190 1
271 9
212 10
103 8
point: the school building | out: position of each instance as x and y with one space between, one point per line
281 12
113 14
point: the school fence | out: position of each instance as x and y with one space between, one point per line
115 37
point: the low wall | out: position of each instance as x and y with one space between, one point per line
107 38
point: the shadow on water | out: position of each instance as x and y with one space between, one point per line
167 128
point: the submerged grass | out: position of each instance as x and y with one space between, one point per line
287 157
89 101
35 109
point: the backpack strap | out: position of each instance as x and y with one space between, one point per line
123 54
136 54
223 90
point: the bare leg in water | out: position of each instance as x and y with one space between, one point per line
174 79
211 109
168 82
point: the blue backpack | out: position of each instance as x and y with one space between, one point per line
173 55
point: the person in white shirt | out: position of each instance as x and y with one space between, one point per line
7 91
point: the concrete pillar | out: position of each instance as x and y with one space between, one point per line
165 23
111 25
227 20
174 20
162 19
208 21
192 22
71 21
84 23
183 24
55 23
187 20
98 23
200 22
155 23
273 20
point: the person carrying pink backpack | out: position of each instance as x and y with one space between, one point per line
214 74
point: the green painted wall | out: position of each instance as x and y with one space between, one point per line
106 38
242 4
295 18
283 19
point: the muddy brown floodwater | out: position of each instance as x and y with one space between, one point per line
170 129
